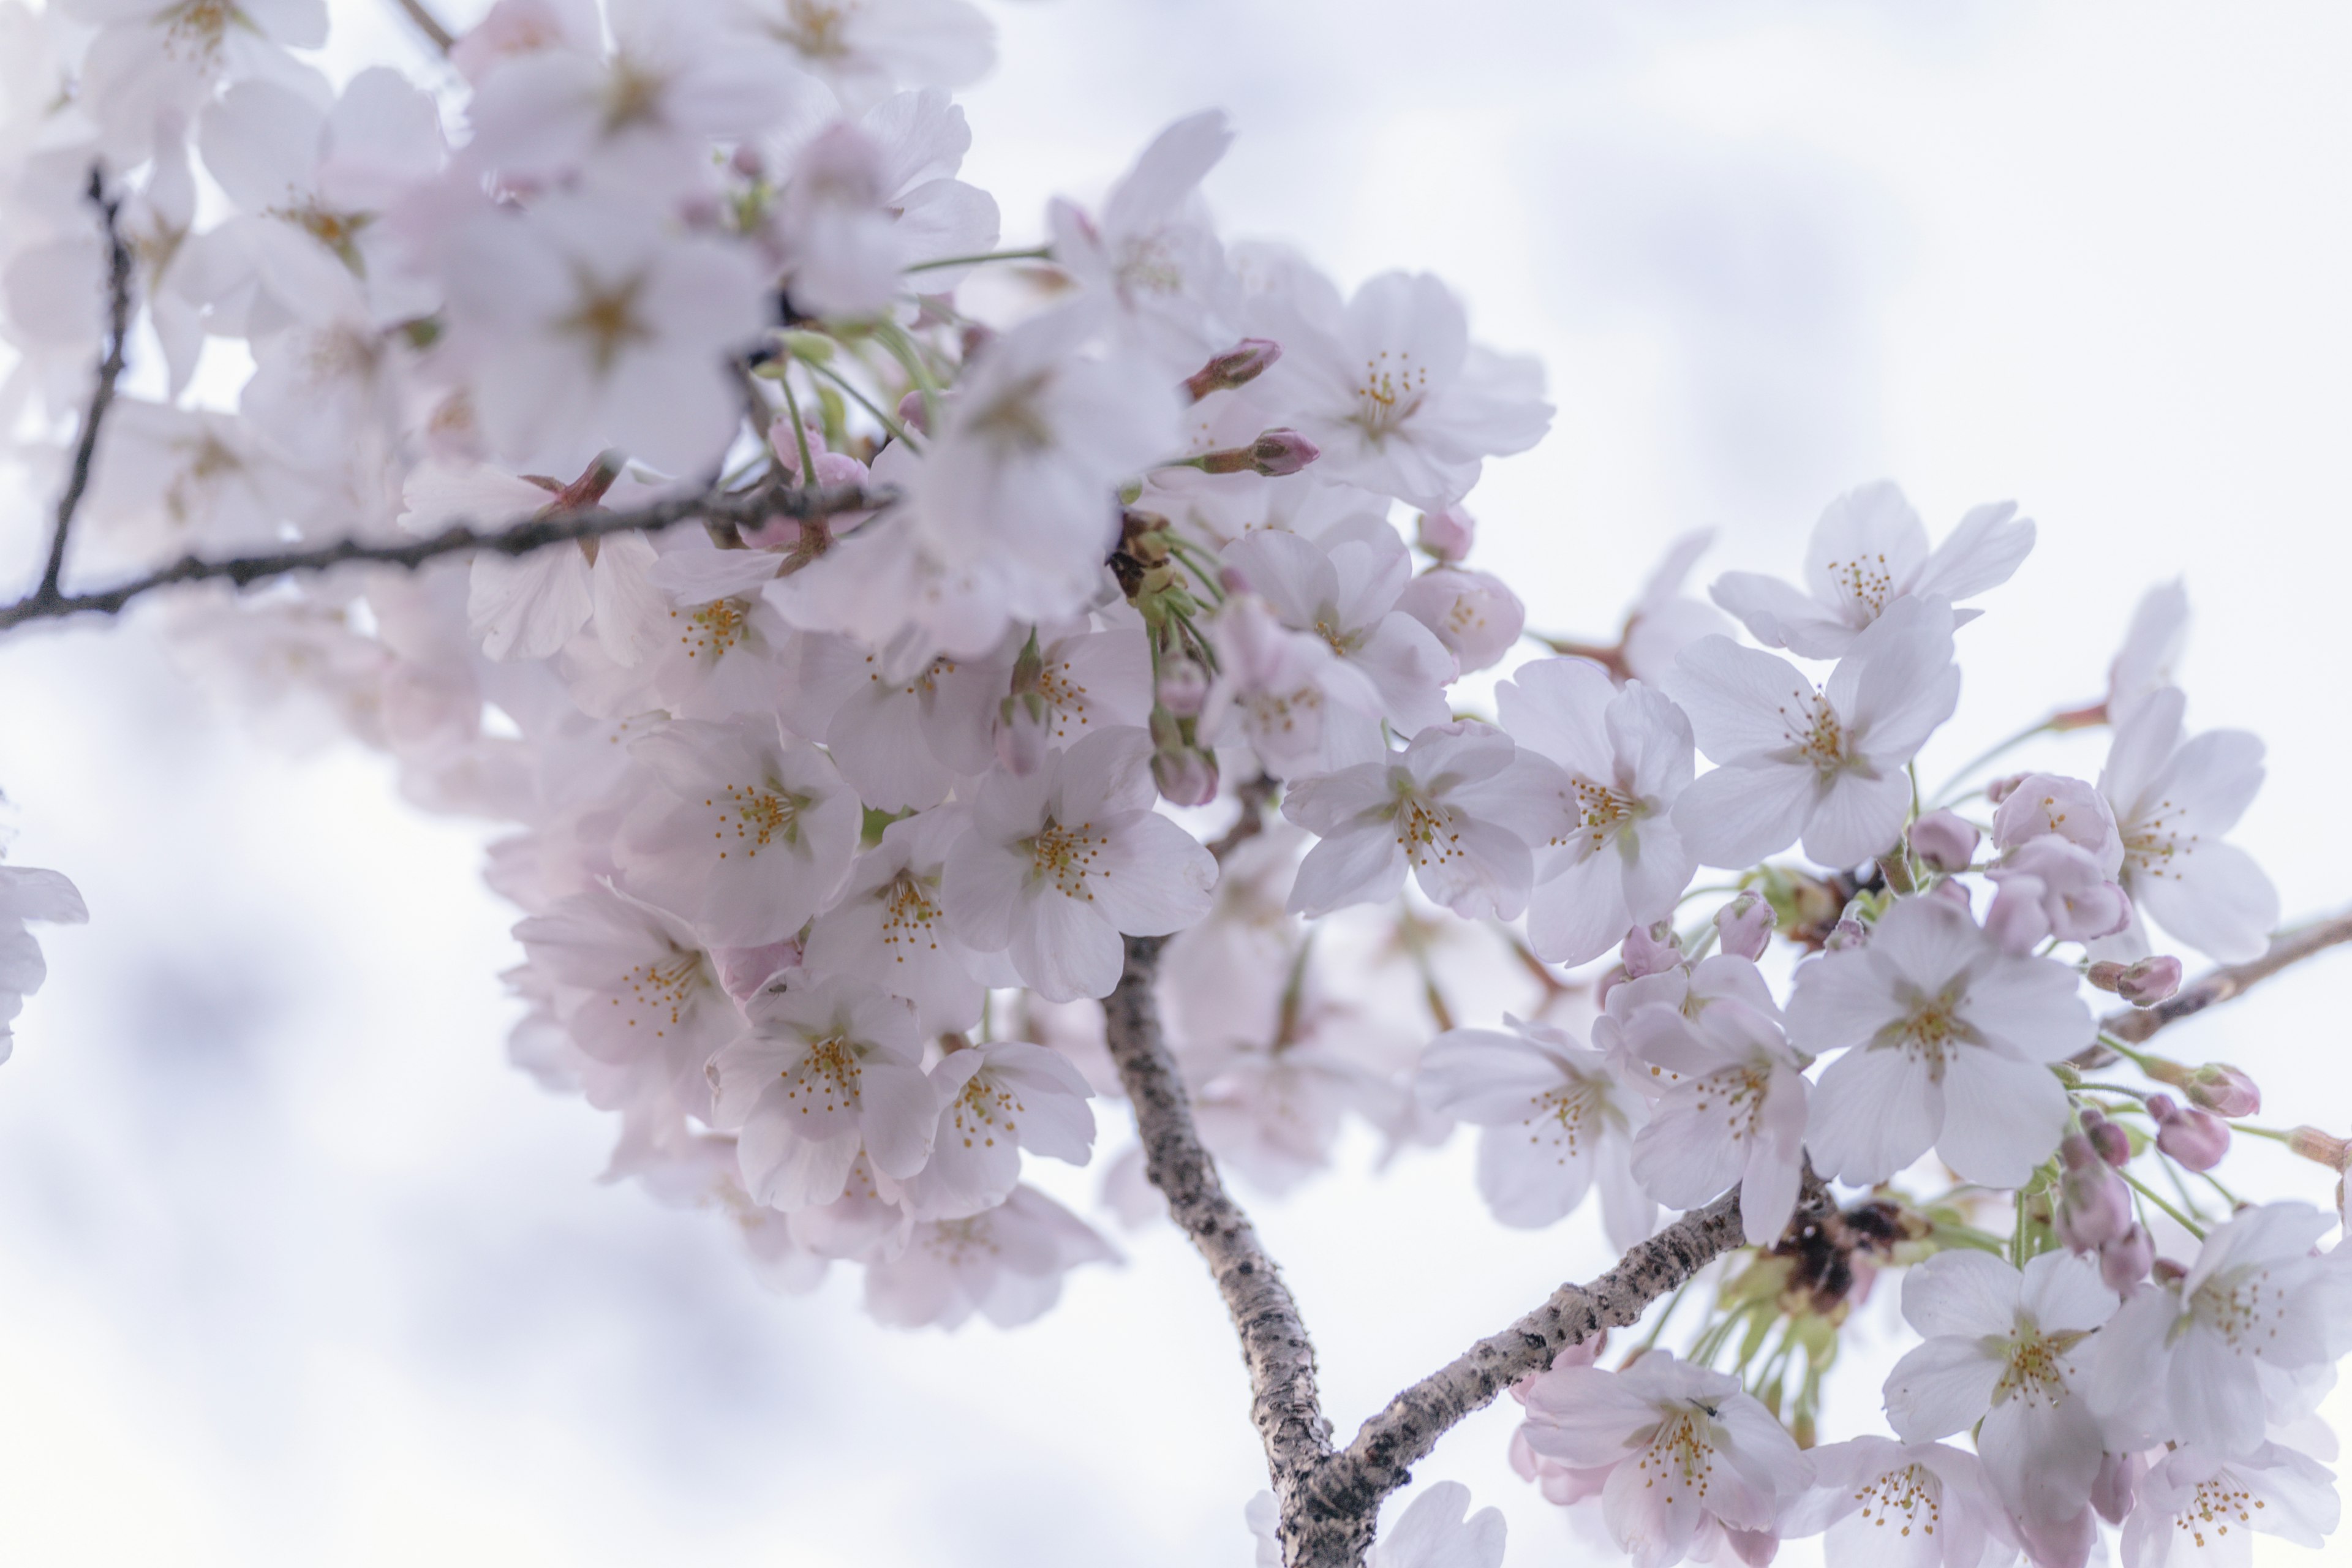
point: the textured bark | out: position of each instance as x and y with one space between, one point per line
1283 1403
2133 1024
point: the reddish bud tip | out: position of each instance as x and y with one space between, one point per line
1238 366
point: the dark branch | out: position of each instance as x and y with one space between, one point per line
1283 1400
512 539
428 24
2133 1024
109 372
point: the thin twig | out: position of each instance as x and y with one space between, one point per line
440 37
109 372
2133 1024
1254 795
1283 1401
517 538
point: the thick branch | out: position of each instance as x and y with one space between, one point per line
1283 1400
2133 1024
518 537
109 372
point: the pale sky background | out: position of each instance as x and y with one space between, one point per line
295 1269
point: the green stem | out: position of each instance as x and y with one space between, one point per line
2273 1133
1042 253
1945 797
799 432
897 432
2190 1225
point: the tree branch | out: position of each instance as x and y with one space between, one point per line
2133 1024
1283 1403
518 537
428 24
109 372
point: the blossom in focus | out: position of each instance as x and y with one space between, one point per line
1947 1040
1824 765
1348 596
824 1072
1610 857
1557 1120
1735 1113
1057 865
889 929
1697 1463
997 1098
1453 806
1867 553
2007 1349
1943 1513
2174 796
2199 1507
1287 695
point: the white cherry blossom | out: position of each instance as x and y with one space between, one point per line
1455 807
748 833
1438 1531
1288 696
2174 796
1151 251
1057 865
1612 858
1947 1040
28 894
1347 595
1736 1113
889 928
2199 1507
1868 551
1695 1462
1557 1120
824 1072
997 1098
1004 1263
1934 1498
1824 765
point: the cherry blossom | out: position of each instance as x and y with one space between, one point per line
1006 1264
1557 1120
1289 696
823 1072
995 1099
1867 553
1612 857
888 927
1694 1459
1945 1038
1150 249
1736 1113
1438 1531
1824 765
2202 1507
2007 1349
1347 595
1943 1513
1057 865
1449 807
2173 798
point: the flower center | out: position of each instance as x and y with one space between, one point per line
1389 393
1424 830
2034 1366
717 626
1066 856
605 318
2242 1307
814 29
1866 580
1931 1028
1737 1094
828 1074
760 815
2217 1504
666 986
909 919
1902 1495
2152 842
982 1109
194 31
1561 1115
1814 734
1681 1459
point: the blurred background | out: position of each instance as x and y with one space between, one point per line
295 1269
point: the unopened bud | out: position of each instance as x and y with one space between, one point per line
2336 1153
1944 841
1744 926
2093 1206
2002 789
1608 982
1183 686
2150 980
2192 1138
2124 1260
2224 1090
1447 533
2165 1271
1186 777
2075 1153
2111 1143
1274 454
1848 933
1238 366
1650 951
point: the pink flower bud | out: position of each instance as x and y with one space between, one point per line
2015 922
746 161
2078 899
1474 614
2224 1090
1238 366
1650 951
915 413
1280 452
1848 933
1608 982
1744 927
1187 777
2150 980
2107 1140
1182 687
2094 1205
2124 1260
1944 841
743 971
1446 534
2002 789
2116 1485
2191 1136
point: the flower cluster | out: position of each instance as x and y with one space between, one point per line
1022 576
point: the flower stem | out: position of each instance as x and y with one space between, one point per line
2190 1225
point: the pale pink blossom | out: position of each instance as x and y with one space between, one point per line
28 894
1934 1497
1947 1040
2174 796
1006 1263
1735 1113
1287 695
1474 614
888 926
997 1098
1434 1532
1868 551
2200 1507
1347 595
1824 765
